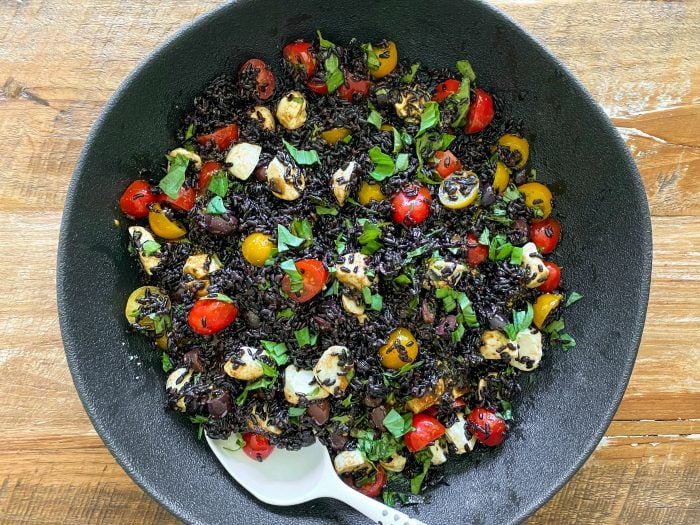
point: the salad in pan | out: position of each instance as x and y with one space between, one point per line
354 250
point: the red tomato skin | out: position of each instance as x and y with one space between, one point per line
445 89
314 276
265 79
546 234
447 163
427 430
256 447
374 489
317 86
210 316
222 137
486 426
411 205
206 173
553 280
351 86
480 112
185 199
300 55
476 253
136 198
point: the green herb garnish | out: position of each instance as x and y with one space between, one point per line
218 184
408 77
301 156
167 363
216 206
295 278
175 178
287 240
277 351
304 337
375 119
521 322
397 424
383 164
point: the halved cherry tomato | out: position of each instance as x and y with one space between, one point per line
353 85
480 112
374 488
185 199
411 205
264 80
222 137
206 173
136 198
486 426
427 430
545 234
446 163
445 89
314 276
209 316
256 447
300 55
554 278
476 253
317 86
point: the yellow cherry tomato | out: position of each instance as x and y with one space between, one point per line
400 345
162 226
537 195
386 127
519 144
257 248
459 190
138 299
544 305
501 178
369 192
333 135
388 58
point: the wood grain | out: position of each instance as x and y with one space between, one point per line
60 61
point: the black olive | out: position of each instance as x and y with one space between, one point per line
488 197
338 442
193 361
377 416
261 173
219 405
497 321
319 411
220 224
372 401
252 319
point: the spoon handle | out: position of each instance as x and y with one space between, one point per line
377 512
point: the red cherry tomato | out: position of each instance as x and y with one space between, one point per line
486 426
411 205
351 86
446 163
300 55
545 234
206 173
427 430
256 447
552 282
317 86
476 253
209 316
374 488
222 137
185 199
445 89
136 198
314 276
480 112
265 79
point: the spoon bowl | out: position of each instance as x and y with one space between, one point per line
292 477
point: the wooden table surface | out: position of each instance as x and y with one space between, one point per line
59 62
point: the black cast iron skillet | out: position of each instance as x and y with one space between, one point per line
605 252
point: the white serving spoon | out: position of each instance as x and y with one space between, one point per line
288 478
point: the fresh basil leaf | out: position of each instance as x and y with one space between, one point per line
372 58
573 297
296 280
150 247
347 139
417 480
327 44
401 162
408 77
286 239
167 363
277 351
403 280
287 313
216 206
375 119
398 143
397 424
510 194
263 382
465 69
376 449
484 237
218 184
383 164
190 132
516 256
304 337
429 118
334 76
340 243
323 210
302 157
302 228
296 411
175 178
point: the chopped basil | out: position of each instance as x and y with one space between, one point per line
263 382
521 321
301 156
376 449
484 238
375 119
453 299
190 132
371 232
218 184
323 210
277 351
465 69
506 411
286 239
304 337
511 194
499 248
516 256
216 206
401 162
150 247
573 297
429 118
340 243
372 58
167 363
403 279
408 77
327 44
398 142
347 401
397 424
296 280
347 139
558 336
287 313
296 411
383 164
414 254
461 97
424 457
334 75
302 228
175 178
